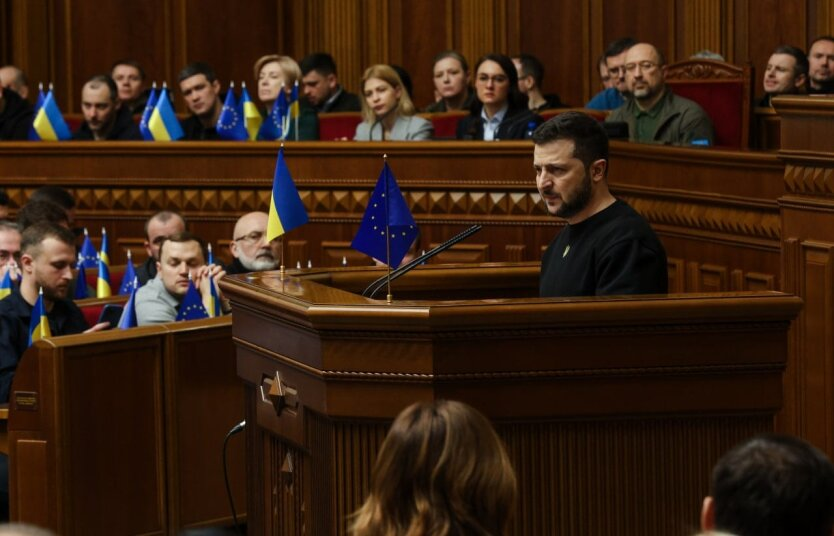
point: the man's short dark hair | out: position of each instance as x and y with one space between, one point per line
97 80
801 66
32 237
321 62
54 194
133 63
184 236
829 38
531 66
774 485
618 46
4 198
198 67
590 142
41 211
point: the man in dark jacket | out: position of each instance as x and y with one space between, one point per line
104 116
16 116
321 85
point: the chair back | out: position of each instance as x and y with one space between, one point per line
338 125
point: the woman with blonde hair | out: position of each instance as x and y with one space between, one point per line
271 71
441 471
387 110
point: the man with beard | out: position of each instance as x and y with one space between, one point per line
46 260
104 116
821 66
606 248
654 114
201 91
249 247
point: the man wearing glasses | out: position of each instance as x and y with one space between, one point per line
251 251
615 93
654 114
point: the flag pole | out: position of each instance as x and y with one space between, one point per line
298 109
283 268
389 297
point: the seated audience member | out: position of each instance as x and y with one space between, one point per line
606 248
321 86
9 249
387 110
500 112
771 485
46 261
451 82
442 469
16 116
42 211
821 66
201 91
786 73
59 196
604 78
157 229
104 116
130 79
15 79
180 255
654 114
271 72
530 76
251 251
614 95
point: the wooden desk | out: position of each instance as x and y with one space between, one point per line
613 409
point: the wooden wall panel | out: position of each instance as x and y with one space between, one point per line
632 19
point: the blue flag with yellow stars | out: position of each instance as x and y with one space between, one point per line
386 209
128 319
230 125
81 290
129 278
192 307
88 254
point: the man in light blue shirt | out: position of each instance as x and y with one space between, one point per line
614 96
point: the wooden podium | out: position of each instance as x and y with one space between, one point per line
613 410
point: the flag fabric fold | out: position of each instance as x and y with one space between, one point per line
81 290
251 116
129 279
230 125
33 134
128 318
277 123
103 289
163 123
38 323
192 307
6 285
386 208
104 252
144 127
286 210
214 308
49 124
88 254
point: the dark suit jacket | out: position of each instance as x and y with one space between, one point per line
345 102
514 126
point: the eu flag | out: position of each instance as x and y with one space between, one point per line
192 307
163 123
129 279
251 116
146 115
230 122
88 254
386 209
33 134
128 318
277 123
81 291
38 323
6 286
49 123
286 210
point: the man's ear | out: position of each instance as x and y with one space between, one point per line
800 81
598 169
148 249
26 263
233 248
708 514
331 81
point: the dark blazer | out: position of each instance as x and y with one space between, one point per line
124 129
514 126
345 102
16 118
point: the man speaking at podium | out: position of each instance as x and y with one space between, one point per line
606 248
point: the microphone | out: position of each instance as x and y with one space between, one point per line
374 287
238 428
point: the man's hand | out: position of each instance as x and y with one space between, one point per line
101 326
205 274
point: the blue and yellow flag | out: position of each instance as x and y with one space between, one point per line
210 254
33 134
230 124
146 114
38 323
88 254
104 253
163 123
129 279
49 123
286 210
387 209
251 116
214 306
103 280
128 318
6 285
192 307
81 290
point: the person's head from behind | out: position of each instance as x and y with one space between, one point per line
450 71
570 157
786 71
59 196
47 255
615 56
441 470
530 72
319 78
249 245
159 227
771 486
42 211
99 104
130 79
383 94
496 82
200 89
274 72
180 255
